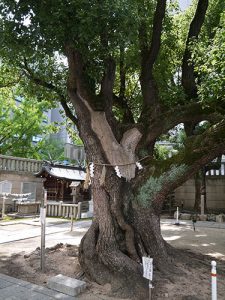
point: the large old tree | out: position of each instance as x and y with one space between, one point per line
135 70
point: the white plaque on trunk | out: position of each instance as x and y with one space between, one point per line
147 267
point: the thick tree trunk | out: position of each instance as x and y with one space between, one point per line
200 190
197 192
121 233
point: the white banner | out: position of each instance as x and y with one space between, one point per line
147 267
42 214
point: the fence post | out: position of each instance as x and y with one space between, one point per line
79 210
60 209
72 217
213 281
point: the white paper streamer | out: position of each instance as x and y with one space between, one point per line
118 171
139 166
91 169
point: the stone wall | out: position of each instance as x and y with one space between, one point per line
20 172
215 193
18 179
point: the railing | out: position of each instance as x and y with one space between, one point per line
18 164
220 172
64 210
53 209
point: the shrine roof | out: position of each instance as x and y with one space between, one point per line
62 172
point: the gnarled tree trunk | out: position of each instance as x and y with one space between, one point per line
122 230
121 233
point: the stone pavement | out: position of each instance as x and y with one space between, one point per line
16 289
204 224
208 239
26 229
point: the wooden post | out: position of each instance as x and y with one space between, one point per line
60 209
79 210
73 208
43 225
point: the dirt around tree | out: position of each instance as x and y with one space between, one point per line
189 279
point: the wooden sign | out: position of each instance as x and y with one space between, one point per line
147 267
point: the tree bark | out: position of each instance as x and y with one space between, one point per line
112 249
121 233
197 203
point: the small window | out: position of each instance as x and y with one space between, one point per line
29 187
5 187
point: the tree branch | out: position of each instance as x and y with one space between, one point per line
107 83
174 171
122 74
156 33
188 75
181 114
38 81
9 84
148 58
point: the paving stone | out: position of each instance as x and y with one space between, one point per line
46 291
66 285
18 292
13 280
16 289
4 284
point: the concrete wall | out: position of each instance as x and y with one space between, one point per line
17 179
215 193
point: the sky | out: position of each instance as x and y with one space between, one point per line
184 4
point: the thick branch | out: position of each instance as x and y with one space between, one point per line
192 112
199 151
108 83
188 75
122 74
149 56
156 34
75 79
173 172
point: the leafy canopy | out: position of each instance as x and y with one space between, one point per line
23 122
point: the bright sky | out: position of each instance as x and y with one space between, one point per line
184 3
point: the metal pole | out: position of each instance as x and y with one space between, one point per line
177 217
43 225
213 281
3 207
150 290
